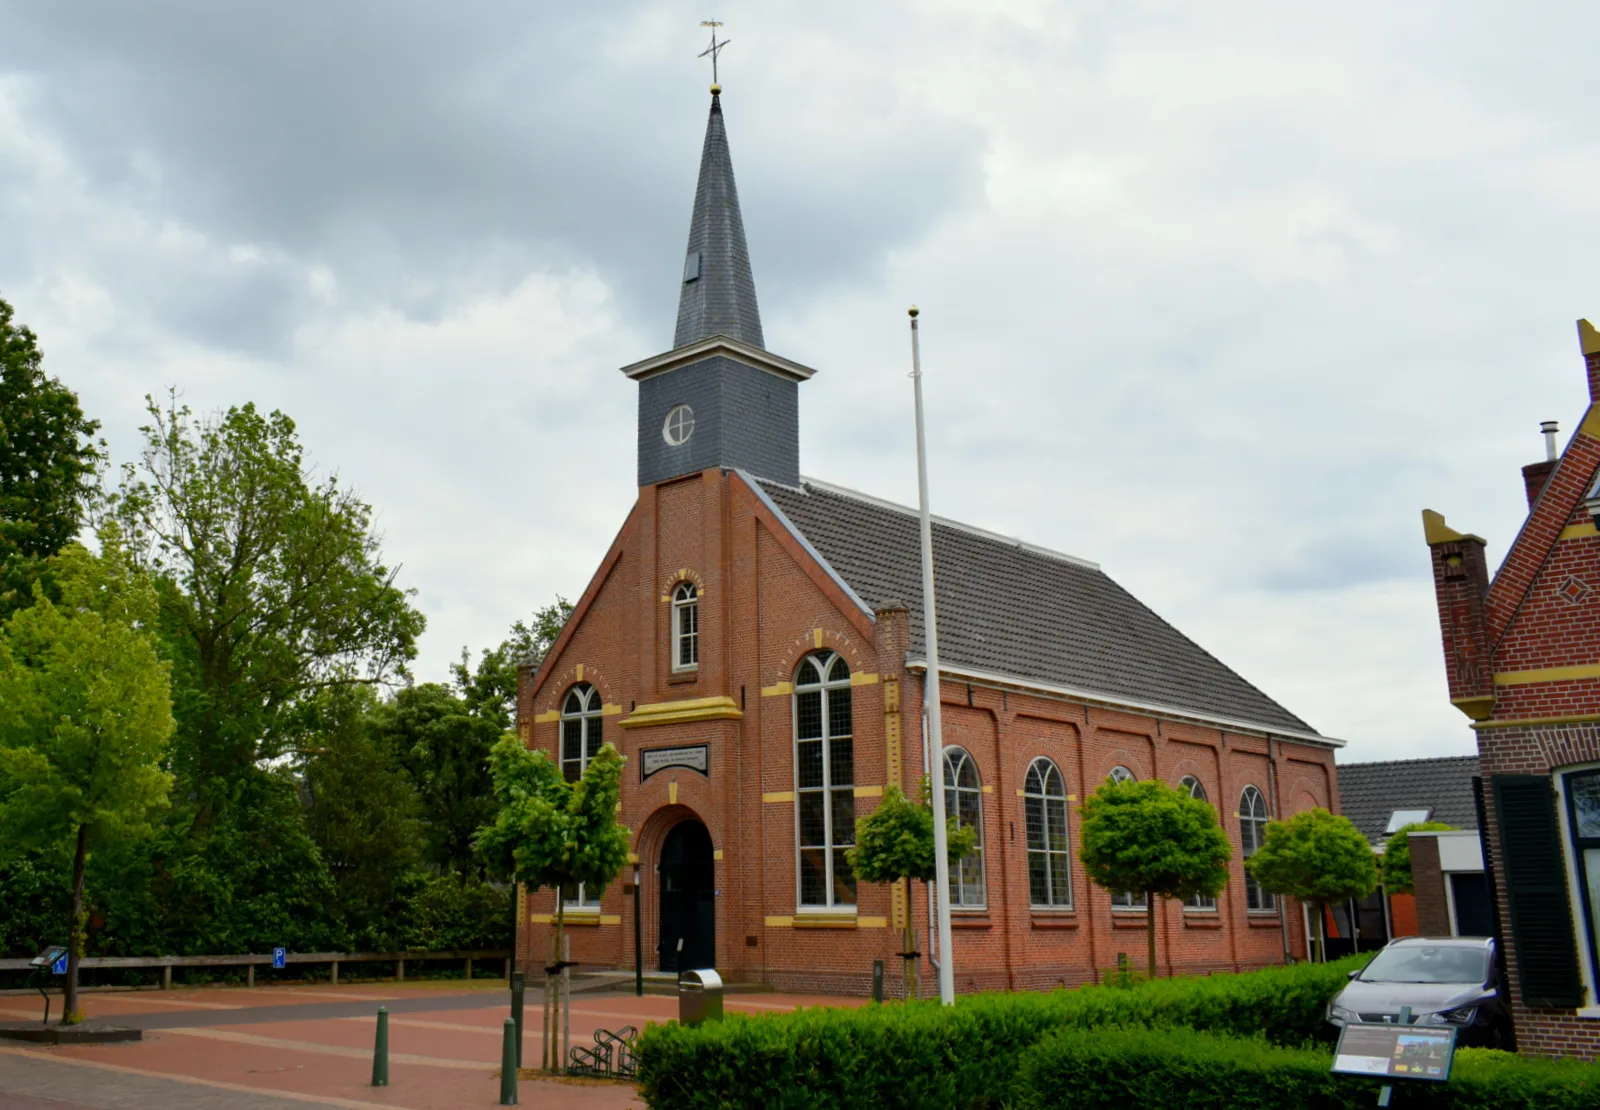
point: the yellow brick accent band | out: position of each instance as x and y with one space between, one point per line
816 636
891 695
717 854
1074 797
547 718
873 922
779 922
1548 674
987 788
1518 722
778 796
611 919
825 921
672 793
1583 531
897 903
678 712
540 918
777 690
863 678
611 711
578 670
869 791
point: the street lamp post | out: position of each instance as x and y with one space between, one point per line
638 939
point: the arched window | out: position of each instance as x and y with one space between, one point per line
685 627
1125 899
963 799
1197 791
1044 804
825 795
1252 832
580 742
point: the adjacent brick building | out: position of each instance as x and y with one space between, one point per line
1522 652
752 642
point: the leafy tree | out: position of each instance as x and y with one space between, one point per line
272 588
1395 866
48 463
1153 837
895 842
553 833
85 716
491 690
364 815
1317 857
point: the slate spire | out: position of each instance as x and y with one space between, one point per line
719 292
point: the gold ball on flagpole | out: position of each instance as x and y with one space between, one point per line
715 89
913 312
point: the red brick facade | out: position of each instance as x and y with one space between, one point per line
765 604
1522 654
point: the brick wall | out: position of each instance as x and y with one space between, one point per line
1427 885
764 606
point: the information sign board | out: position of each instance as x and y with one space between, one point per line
1396 1051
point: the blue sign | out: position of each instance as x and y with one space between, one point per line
60 966
280 956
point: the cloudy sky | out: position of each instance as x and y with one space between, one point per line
1218 295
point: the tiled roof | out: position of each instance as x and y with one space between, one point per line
720 296
1370 792
1009 608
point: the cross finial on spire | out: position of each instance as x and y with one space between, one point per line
714 49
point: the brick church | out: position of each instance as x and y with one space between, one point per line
752 642
1522 653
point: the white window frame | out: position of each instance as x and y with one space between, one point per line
1127 901
685 611
1258 834
682 429
1200 903
1580 914
962 877
807 680
589 716
1045 800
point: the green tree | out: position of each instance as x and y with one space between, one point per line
1395 866
1155 838
364 815
895 842
490 690
48 463
272 586
553 833
85 716
1316 857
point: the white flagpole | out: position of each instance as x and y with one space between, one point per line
930 627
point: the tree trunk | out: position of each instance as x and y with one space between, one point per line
70 1014
908 966
558 1065
1150 931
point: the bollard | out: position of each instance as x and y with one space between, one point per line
380 1050
508 1065
518 992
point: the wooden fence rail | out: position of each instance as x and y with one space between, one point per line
251 962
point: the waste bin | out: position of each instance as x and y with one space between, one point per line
699 996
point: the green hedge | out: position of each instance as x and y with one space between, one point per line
1181 1068
921 1055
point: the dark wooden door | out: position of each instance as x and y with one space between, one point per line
688 899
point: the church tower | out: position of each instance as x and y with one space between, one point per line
718 398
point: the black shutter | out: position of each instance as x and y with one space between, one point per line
1536 888
1502 979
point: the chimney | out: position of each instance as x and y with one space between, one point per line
1535 475
1460 581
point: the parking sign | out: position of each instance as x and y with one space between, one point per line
60 966
279 957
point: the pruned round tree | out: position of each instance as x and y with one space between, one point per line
895 843
553 833
1317 857
1395 866
1151 837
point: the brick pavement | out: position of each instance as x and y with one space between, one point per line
258 1050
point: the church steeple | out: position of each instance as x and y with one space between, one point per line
719 292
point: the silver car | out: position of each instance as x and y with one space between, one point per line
1445 981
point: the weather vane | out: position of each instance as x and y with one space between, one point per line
715 48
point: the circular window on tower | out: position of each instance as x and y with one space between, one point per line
679 425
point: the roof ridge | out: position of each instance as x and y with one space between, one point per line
1417 759
972 529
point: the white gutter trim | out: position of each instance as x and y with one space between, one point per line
806 544
958 671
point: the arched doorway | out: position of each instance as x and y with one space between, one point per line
688 899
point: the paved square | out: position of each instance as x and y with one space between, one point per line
294 1046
